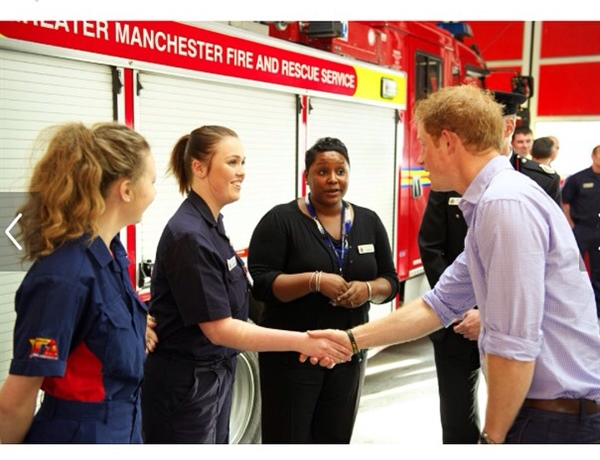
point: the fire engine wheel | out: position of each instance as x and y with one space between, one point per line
244 425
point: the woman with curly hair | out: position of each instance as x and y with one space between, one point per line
79 331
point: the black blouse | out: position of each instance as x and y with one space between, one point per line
288 241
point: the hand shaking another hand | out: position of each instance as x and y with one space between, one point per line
337 349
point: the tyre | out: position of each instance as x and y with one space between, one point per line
244 424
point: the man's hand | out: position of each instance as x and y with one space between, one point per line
340 338
151 337
470 326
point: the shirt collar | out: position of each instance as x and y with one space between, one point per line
102 255
480 183
199 203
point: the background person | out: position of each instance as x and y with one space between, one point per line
199 298
522 140
545 176
542 151
556 148
79 332
539 340
581 204
317 262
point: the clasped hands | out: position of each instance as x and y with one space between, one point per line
342 293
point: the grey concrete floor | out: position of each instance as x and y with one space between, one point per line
400 403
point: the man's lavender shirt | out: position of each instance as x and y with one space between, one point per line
522 268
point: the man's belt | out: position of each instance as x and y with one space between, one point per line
564 405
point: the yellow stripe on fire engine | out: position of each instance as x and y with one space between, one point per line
369 85
408 174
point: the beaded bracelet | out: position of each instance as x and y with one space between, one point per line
352 341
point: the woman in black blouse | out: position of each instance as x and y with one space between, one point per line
317 262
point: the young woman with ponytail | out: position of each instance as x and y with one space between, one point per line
199 297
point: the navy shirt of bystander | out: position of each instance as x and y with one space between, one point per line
581 192
77 306
581 204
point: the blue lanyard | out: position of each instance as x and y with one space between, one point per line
346 224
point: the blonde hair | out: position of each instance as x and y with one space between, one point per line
469 112
68 187
200 145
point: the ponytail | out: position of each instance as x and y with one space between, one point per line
199 145
179 167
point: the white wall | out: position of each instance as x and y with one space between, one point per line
576 138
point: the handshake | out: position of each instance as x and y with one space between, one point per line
328 347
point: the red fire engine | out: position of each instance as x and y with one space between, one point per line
280 86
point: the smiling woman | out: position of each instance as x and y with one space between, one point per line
199 298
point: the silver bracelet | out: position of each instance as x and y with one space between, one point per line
318 282
370 291
310 282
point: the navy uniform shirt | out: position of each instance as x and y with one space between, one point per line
542 174
581 192
80 324
197 277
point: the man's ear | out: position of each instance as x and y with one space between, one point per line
448 141
509 126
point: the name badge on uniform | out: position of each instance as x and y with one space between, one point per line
454 200
587 185
366 248
231 263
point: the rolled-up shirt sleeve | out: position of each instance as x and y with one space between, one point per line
453 293
509 267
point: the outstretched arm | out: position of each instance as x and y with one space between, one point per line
410 322
239 334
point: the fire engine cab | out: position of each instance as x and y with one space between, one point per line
280 86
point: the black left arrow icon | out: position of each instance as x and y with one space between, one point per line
9 228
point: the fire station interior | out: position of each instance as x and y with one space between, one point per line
399 402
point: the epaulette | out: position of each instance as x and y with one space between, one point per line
547 168
534 165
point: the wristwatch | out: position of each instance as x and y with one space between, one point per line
485 439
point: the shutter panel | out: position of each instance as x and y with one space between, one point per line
35 92
264 120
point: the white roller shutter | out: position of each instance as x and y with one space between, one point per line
264 120
369 133
35 92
